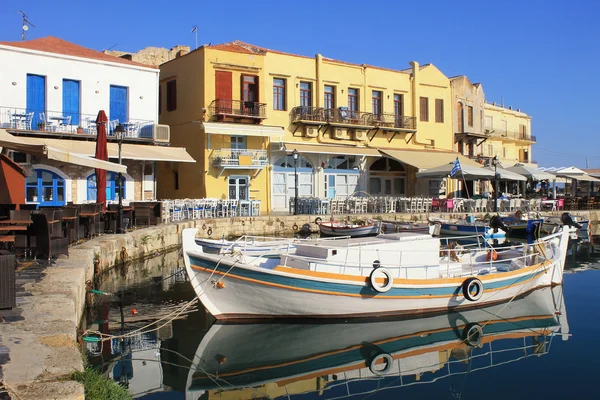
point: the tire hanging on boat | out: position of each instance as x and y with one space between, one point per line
472 289
386 274
388 364
472 334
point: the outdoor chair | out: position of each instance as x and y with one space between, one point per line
142 215
48 245
71 225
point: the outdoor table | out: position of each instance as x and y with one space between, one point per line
15 222
88 218
13 228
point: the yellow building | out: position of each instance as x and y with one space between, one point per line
241 111
510 137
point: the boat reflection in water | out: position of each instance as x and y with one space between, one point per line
346 359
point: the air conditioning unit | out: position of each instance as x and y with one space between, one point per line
339 133
156 132
311 131
360 135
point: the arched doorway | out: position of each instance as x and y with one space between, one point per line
46 188
283 187
112 186
341 176
387 177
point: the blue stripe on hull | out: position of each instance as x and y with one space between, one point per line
348 289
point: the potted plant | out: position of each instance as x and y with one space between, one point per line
80 129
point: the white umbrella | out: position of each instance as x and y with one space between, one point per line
506 175
466 171
576 173
531 172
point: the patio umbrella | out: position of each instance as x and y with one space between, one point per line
575 173
467 172
530 172
101 154
506 175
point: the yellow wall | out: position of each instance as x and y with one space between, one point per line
508 148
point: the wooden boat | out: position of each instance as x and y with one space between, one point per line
469 227
278 359
404 226
392 274
346 229
251 245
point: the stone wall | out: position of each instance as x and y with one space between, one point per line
153 56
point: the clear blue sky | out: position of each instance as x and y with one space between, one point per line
539 56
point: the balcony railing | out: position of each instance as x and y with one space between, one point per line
239 158
238 108
516 135
60 123
389 120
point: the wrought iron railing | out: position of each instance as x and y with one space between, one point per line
238 108
239 157
303 113
390 120
59 122
517 135
341 115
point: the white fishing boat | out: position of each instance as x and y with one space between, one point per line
251 245
392 274
278 359
574 223
336 228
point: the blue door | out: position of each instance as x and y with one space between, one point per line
45 188
118 104
71 100
36 99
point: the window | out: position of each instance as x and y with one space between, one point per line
329 100
238 142
176 180
376 101
424 101
172 95
489 124
461 148
305 94
523 131
353 99
398 105
46 188
470 116
18 157
439 110
112 186
278 94
238 187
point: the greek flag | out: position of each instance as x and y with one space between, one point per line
455 168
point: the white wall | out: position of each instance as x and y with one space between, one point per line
95 76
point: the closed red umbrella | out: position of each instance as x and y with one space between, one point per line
101 154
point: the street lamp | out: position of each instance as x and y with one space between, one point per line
119 131
495 164
295 155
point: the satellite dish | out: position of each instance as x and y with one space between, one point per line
25 28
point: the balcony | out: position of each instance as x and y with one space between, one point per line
341 116
512 135
237 109
239 159
391 121
81 126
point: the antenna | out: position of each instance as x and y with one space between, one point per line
25 25
195 30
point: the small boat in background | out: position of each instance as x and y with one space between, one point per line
249 245
576 224
335 228
469 226
404 226
523 225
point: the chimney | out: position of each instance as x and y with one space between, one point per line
510 107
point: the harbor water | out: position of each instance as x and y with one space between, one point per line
520 352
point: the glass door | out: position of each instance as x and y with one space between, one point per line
238 187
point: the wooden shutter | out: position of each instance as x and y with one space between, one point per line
424 109
461 117
223 85
172 95
439 110
470 115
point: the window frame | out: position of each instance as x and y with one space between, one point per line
398 105
470 116
353 99
439 111
279 103
329 97
305 94
172 95
377 102
424 109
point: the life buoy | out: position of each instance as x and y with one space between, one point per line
318 220
209 231
518 215
375 274
295 227
387 359
472 289
472 334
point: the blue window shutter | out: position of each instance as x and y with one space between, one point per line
36 97
118 104
71 100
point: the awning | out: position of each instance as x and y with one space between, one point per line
222 128
88 148
331 149
57 153
424 159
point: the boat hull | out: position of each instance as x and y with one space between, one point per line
470 230
329 229
236 291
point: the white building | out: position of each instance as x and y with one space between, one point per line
50 93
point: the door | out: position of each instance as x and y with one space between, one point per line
280 200
118 104
460 117
249 94
71 100
36 99
238 187
223 91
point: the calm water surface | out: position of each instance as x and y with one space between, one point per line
522 354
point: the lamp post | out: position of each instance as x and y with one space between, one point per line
495 164
119 130
295 155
